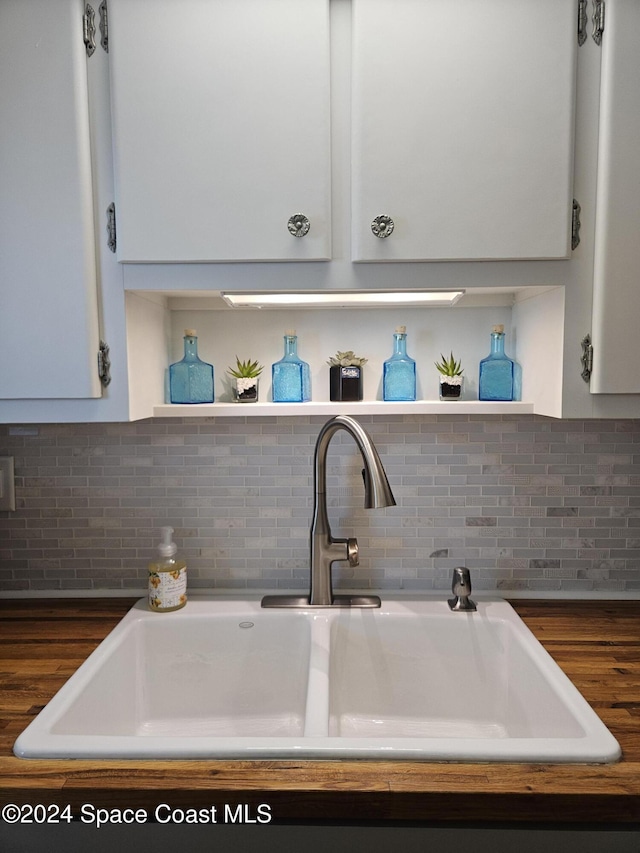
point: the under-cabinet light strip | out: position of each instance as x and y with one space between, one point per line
341 299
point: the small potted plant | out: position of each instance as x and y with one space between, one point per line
451 378
245 380
345 377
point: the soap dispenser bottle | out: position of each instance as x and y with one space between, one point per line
291 377
167 576
399 371
191 380
500 376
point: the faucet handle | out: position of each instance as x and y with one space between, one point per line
353 552
461 589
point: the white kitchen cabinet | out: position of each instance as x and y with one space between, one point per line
616 315
49 335
462 129
61 288
551 313
221 129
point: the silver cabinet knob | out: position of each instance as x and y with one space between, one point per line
298 225
382 226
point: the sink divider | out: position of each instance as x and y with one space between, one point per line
316 722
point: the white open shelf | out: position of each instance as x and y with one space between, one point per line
156 326
366 407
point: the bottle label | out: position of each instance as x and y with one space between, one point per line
168 590
350 372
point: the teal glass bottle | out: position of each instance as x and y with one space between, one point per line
291 377
191 380
500 376
399 371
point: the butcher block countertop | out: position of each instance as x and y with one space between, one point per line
597 644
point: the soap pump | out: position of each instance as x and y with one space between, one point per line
167 576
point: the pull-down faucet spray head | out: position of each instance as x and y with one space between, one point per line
377 491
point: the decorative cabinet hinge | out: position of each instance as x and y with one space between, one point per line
598 21
104 25
582 22
575 225
104 364
89 30
111 227
587 357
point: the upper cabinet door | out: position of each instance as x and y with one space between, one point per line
616 290
463 116
49 333
221 129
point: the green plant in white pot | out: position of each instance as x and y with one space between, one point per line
245 380
451 378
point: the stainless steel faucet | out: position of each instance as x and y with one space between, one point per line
324 548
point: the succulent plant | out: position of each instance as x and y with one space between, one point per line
245 369
346 359
449 366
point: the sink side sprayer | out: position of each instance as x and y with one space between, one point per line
324 549
461 589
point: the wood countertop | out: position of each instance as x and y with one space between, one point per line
597 644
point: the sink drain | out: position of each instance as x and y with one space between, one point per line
246 624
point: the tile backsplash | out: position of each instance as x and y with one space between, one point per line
531 505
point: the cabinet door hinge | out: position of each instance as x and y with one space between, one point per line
104 25
582 22
587 357
89 30
598 21
104 364
111 227
575 225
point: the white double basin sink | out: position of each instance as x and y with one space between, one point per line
224 678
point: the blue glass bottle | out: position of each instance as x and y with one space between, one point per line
399 371
291 377
500 376
191 380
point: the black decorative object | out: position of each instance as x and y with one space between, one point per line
345 383
345 377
